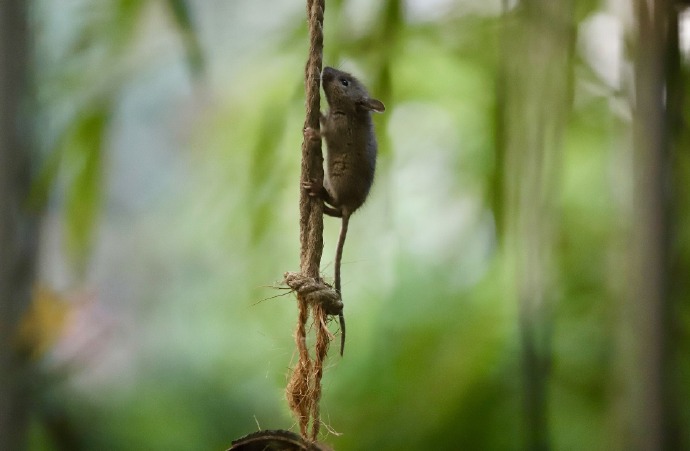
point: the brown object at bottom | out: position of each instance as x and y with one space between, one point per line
275 441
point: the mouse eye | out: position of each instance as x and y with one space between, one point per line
344 82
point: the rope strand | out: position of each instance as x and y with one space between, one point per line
304 388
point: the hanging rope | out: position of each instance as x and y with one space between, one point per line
304 388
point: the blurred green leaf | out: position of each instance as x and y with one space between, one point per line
584 8
183 20
83 150
127 14
41 187
265 173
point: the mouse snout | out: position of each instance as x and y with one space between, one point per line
328 74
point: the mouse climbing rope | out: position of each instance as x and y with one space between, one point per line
304 387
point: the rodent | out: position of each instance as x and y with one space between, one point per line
351 155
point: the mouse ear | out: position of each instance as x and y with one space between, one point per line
374 105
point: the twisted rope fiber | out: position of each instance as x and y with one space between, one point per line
304 388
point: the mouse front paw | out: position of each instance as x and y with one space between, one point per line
312 134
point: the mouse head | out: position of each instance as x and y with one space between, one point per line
344 92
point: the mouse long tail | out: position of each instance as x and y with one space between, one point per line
338 260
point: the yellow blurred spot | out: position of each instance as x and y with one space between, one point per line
43 322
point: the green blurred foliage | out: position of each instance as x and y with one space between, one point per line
178 197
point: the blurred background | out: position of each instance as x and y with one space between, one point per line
518 278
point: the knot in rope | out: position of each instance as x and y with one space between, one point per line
315 292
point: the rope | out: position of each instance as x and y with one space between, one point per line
304 388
